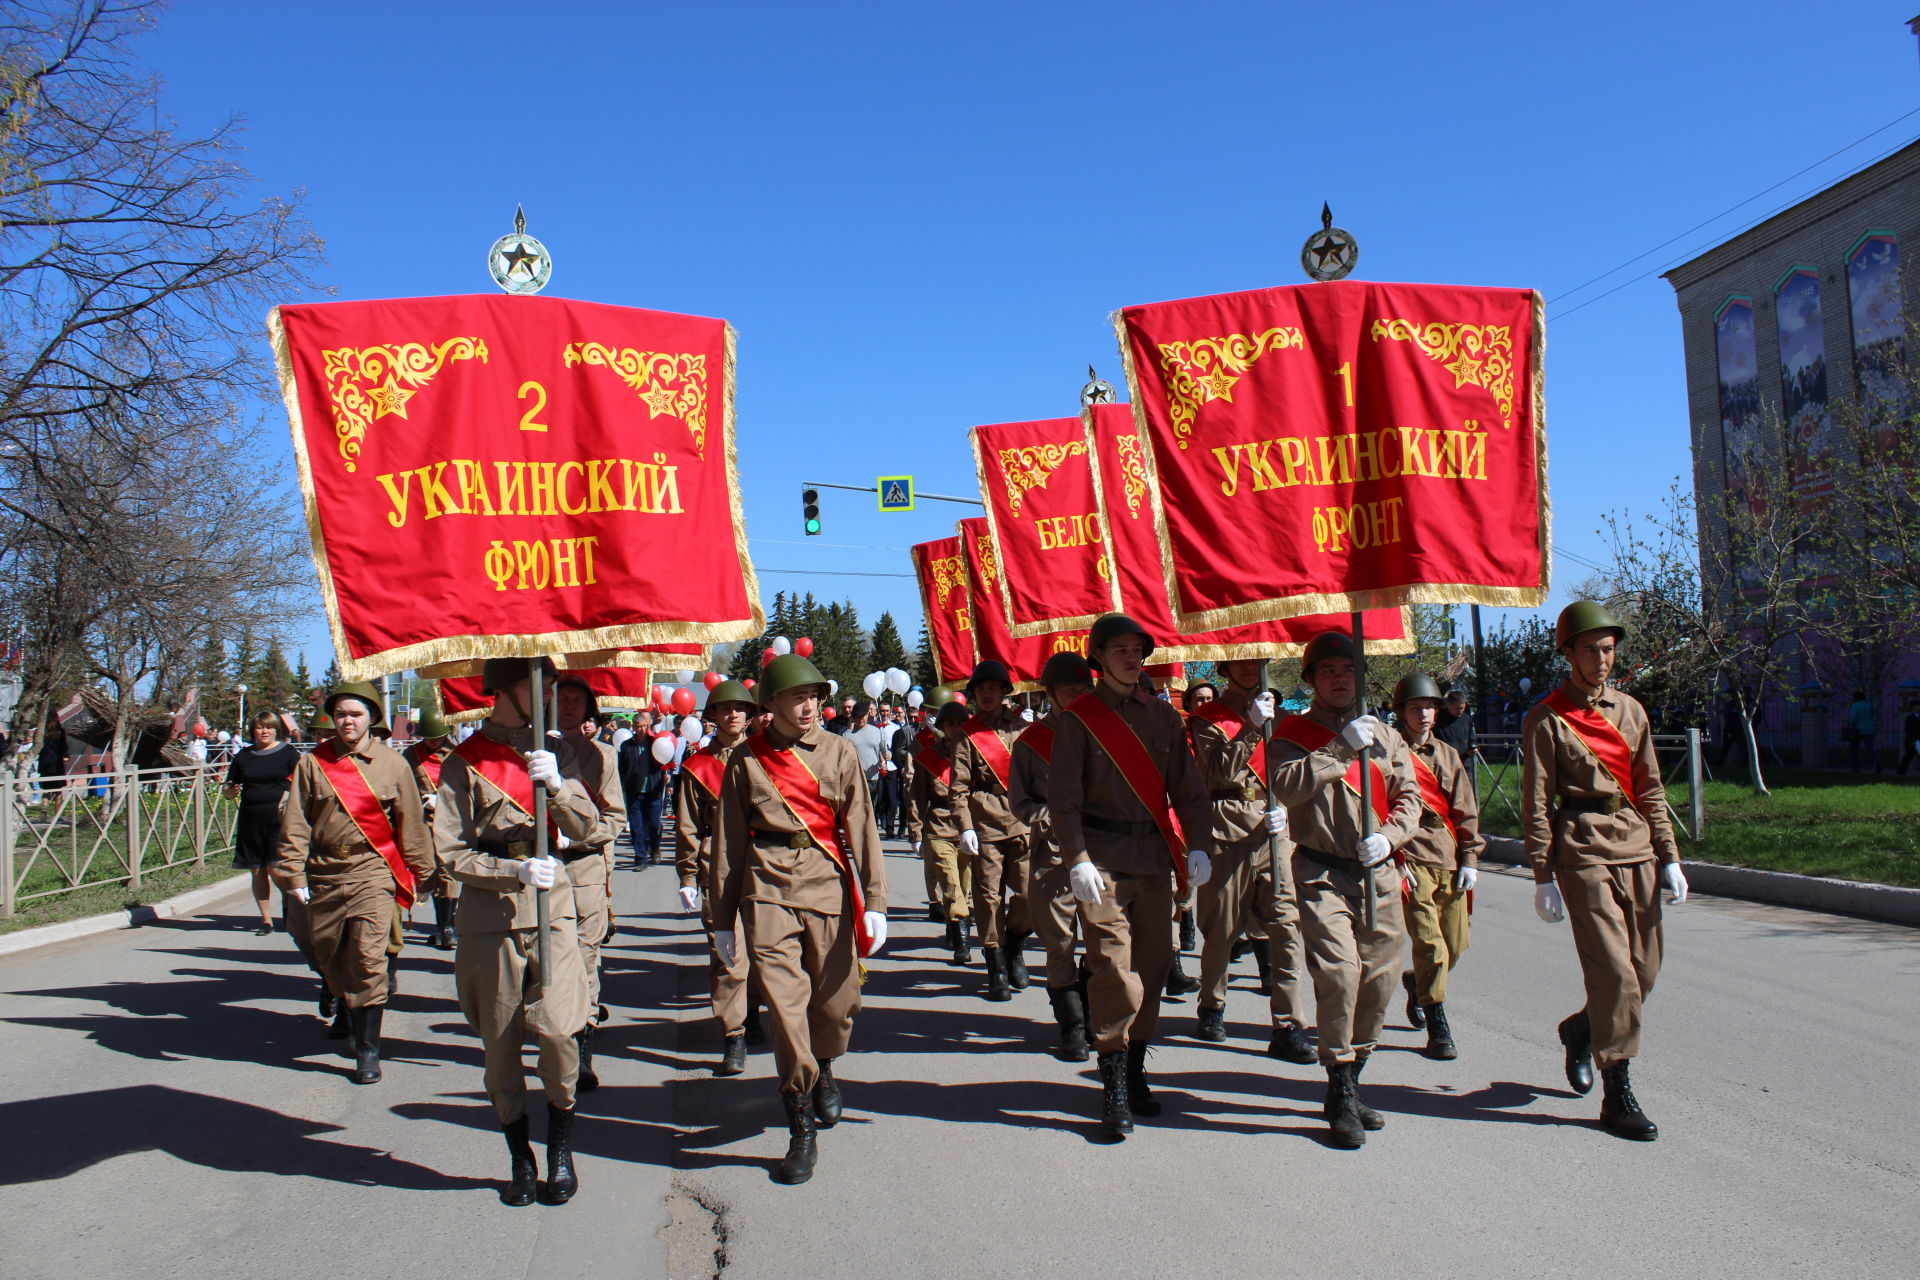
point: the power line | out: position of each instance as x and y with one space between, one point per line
832 573
839 546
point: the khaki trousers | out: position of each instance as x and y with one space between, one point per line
497 977
1129 935
1615 914
805 964
1057 924
1241 889
350 930
594 906
949 875
726 983
1355 969
1000 890
1436 930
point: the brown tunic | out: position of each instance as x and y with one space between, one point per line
590 860
1556 762
1430 845
1085 780
979 798
1323 813
320 843
1027 797
693 811
1239 794
748 866
932 812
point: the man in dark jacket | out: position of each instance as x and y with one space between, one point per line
1456 724
643 786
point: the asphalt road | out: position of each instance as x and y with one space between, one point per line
168 1107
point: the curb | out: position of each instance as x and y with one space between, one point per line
184 904
1888 904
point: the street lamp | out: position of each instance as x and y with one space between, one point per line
241 689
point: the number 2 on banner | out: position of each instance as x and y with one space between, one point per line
527 419
1346 377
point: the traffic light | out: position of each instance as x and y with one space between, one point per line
810 508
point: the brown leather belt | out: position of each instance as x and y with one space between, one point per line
1248 793
1593 804
1114 826
1333 860
791 839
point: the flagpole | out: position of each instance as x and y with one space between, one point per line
537 713
1366 771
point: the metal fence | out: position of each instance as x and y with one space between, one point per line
1681 755
62 834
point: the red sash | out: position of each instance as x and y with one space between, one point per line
1311 735
1431 795
1038 739
1601 737
707 768
938 763
357 798
505 770
799 790
430 765
1230 723
992 750
1129 755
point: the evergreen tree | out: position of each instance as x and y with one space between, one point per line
924 674
218 703
245 659
276 687
887 651
331 678
302 682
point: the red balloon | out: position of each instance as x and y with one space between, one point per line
683 702
660 697
826 713
804 646
749 683
960 698
712 680
766 656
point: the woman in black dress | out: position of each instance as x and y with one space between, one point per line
259 777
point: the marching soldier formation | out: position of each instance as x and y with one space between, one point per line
1333 842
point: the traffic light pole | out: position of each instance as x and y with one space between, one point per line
870 488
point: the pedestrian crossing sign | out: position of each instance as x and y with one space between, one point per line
896 493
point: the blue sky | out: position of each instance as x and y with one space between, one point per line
919 217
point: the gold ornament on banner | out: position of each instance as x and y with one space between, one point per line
1029 467
666 383
1476 355
369 383
1133 472
1206 369
989 560
949 572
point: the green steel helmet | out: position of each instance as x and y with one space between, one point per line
432 724
1111 627
322 723
1065 668
788 671
579 682
1583 616
992 669
730 691
1328 644
503 673
363 691
1415 684
950 712
940 697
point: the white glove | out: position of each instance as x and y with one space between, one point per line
1407 885
1260 710
1276 821
970 841
723 945
1087 885
913 846
1199 867
1360 734
1547 904
876 931
1674 880
1463 878
561 837
689 898
303 895
544 768
431 800
1373 850
537 872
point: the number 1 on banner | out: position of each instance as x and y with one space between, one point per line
1346 378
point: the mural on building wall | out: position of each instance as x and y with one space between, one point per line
1879 330
1740 423
1803 384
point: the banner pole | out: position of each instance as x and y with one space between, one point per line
1276 893
1366 773
537 714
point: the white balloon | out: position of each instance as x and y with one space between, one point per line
691 728
683 677
225 736
833 688
898 681
874 684
663 748
915 698
782 645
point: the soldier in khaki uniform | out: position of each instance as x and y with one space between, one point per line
1067 677
797 858
934 824
354 846
1122 771
729 707
996 839
575 708
1316 759
1601 845
426 757
484 826
1442 859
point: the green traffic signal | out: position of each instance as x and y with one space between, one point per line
810 509
813 526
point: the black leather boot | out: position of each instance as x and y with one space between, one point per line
525 1176
442 923
997 988
1016 955
329 1005
1290 1044
797 1166
733 1056
1116 1117
393 975
1071 1013
1620 1112
1416 1016
960 939
826 1096
937 912
1440 1046
1263 962
755 1033
561 1182
589 1080
366 1042
341 1028
1341 1108
1372 1120
1178 983
1212 1025
1576 1033
1189 935
1139 1097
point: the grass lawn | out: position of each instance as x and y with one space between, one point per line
98 899
1844 825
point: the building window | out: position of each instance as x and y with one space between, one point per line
1803 384
1879 332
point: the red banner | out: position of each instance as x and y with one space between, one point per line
494 476
1321 448
616 688
991 637
942 572
1044 512
665 657
1133 563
